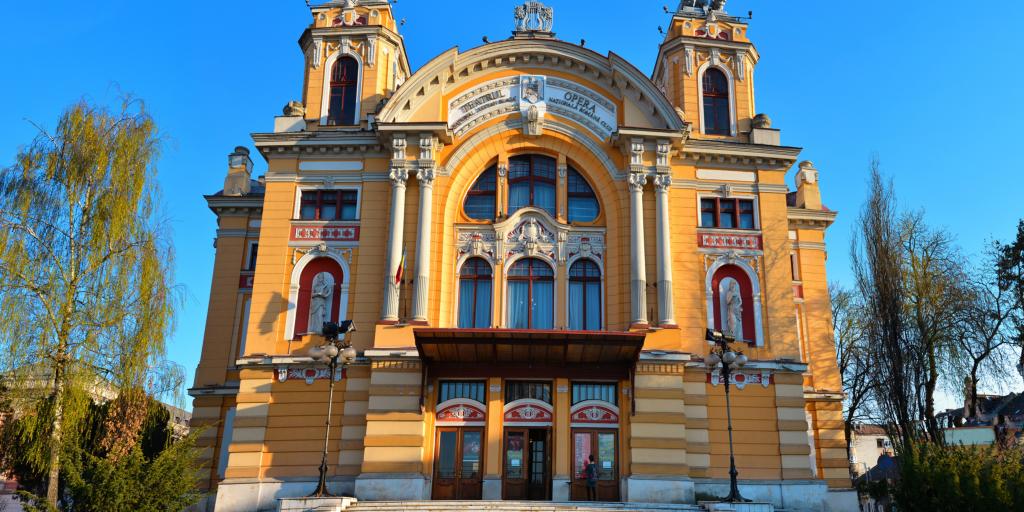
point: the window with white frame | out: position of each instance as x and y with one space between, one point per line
329 205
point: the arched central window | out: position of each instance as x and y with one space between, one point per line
531 182
582 200
585 296
343 104
475 281
531 295
717 119
479 203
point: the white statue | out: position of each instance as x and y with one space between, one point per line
733 311
320 302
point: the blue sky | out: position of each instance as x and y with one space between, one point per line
932 88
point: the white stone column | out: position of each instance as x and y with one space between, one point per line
399 175
666 315
423 230
638 260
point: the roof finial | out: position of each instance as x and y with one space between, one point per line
534 16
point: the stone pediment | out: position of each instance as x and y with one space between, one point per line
454 79
531 232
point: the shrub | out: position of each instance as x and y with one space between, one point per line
936 478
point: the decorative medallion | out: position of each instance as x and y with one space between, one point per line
326 233
460 411
594 412
308 374
528 411
741 379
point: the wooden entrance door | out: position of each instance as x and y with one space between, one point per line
603 444
458 464
527 464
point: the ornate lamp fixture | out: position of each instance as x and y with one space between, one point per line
333 352
725 361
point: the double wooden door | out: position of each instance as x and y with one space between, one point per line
527 471
603 445
458 464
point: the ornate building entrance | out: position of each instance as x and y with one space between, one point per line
458 469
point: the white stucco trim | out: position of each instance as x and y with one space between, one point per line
293 288
732 95
755 286
326 94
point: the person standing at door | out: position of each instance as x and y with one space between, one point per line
591 472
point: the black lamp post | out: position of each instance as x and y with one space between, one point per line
333 352
725 360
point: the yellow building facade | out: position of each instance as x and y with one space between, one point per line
531 239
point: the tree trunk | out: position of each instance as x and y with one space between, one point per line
56 437
929 399
848 427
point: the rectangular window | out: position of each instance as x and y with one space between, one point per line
329 205
253 249
583 391
517 390
880 442
727 213
794 266
471 390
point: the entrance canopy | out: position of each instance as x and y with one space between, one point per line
528 353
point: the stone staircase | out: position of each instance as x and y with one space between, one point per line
514 506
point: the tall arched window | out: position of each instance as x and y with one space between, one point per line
717 119
582 200
479 203
531 295
531 182
585 296
475 281
343 103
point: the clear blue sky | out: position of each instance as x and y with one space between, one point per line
933 88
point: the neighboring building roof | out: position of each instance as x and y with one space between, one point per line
869 430
257 188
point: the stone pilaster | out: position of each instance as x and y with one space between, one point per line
638 259
666 309
399 176
423 229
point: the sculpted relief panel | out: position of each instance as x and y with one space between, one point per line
533 96
529 232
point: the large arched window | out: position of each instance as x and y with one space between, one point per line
531 182
479 203
717 119
531 295
343 103
583 205
475 281
319 298
585 296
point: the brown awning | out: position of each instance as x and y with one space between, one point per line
528 353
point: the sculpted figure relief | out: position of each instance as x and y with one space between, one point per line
733 311
320 302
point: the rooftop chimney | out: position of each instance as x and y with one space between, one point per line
807 193
239 171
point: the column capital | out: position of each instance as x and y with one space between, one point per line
637 180
398 176
426 176
662 182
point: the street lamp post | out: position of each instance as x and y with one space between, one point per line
333 352
725 360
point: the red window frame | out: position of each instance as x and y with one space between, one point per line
587 272
532 178
343 103
739 207
716 103
530 278
476 270
342 198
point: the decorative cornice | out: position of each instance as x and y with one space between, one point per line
810 219
767 157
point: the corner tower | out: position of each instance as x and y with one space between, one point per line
355 60
705 67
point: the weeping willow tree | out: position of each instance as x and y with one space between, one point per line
85 279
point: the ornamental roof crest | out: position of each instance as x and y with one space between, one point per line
534 16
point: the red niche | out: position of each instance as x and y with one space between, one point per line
315 267
746 293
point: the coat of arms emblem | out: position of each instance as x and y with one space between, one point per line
532 89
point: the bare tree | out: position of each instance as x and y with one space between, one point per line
1010 278
851 356
877 253
936 299
84 272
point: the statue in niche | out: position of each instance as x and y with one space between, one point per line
320 302
733 311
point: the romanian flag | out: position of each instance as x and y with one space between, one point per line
401 269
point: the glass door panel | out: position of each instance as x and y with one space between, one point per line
606 454
471 454
446 455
